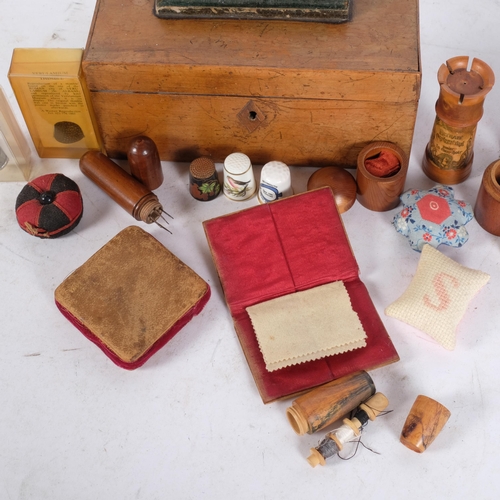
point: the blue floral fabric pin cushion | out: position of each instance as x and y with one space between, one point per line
433 216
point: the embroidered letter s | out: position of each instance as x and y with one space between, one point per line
441 292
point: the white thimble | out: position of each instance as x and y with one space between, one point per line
239 181
275 182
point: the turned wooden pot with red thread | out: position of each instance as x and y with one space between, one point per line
380 193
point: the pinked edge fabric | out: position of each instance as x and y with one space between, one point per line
438 295
307 325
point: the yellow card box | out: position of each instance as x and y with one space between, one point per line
54 100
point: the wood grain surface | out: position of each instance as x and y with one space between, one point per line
380 193
321 91
425 421
330 402
487 208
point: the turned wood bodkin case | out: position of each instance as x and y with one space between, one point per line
306 93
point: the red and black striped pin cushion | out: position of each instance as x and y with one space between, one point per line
49 206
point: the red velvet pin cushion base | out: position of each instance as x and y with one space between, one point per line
49 206
131 297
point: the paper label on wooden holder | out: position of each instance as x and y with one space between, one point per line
450 147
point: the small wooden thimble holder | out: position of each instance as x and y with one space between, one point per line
425 421
380 193
487 208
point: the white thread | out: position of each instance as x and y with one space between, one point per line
345 434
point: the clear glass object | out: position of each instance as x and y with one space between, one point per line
54 100
14 149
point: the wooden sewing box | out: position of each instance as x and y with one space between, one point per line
306 93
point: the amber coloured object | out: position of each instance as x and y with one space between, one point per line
425 421
54 101
144 162
449 154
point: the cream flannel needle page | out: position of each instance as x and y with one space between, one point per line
306 325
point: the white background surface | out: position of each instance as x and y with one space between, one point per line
190 423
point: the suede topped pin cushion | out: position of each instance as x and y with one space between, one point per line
131 297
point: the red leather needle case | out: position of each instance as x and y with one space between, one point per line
131 297
281 248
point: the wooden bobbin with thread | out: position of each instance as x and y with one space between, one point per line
380 193
124 189
487 207
330 402
334 441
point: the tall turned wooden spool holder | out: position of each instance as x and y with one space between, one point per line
425 421
380 193
449 154
326 404
487 208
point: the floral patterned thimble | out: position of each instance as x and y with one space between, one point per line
203 181
275 182
239 181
